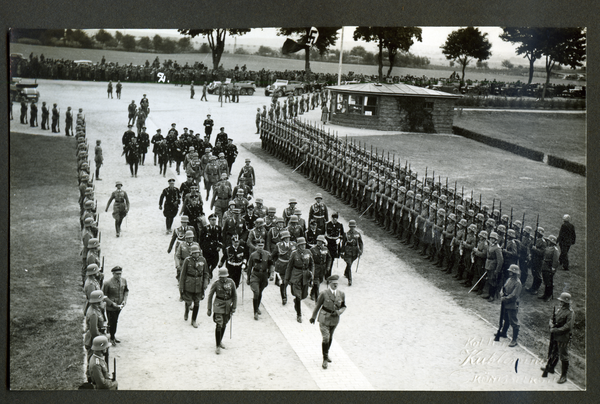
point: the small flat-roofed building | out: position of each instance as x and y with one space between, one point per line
398 107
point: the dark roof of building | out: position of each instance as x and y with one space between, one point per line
392 89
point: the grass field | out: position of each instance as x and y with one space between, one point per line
563 135
46 301
253 62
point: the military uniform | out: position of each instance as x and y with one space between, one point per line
318 211
98 373
224 291
281 253
260 269
193 281
210 243
330 305
171 198
352 248
323 261
235 260
299 275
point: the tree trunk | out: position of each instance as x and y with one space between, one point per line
380 60
549 66
462 80
531 62
392 58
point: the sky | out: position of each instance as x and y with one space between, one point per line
433 38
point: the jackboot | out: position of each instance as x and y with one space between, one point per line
565 369
298 307
185 313
195 315
513 343
325 348
255 304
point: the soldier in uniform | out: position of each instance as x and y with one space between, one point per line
156 139
204 88
259 272
479 259
192 92
193 281
116 292
258 233
467 258
210 242
33 111
119 87
171 198
97 367
45 115
131 113
289 211
331 304
334 233
225 304
257 120
352 248
524 247
211 174
132 156
184 249
95 321
537 259
510 296
549 265
179 236
121 206
561 328
323 261
236 257
281 252
208 126
493 266
144 143
247 173
221 196
55 119
299 274
318 211
68 122
192 207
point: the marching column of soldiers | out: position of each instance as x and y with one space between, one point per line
480 246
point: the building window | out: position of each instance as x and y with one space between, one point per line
428 106
356 104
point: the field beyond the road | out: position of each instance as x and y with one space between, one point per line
46 301
563 135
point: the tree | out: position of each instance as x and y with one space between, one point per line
265 51
465 45
103 37
145 43
393 39
528 44
118 37
184 44
157 42
507 64
168 45
327 37
241 51
128 42
561 46
359 51
204 48
216 40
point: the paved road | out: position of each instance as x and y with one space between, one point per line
399 332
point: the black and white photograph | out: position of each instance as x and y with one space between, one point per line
313 208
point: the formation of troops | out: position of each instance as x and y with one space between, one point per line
486 249
105 298
29 116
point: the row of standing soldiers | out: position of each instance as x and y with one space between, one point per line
450 229
33 117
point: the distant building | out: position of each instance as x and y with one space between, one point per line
398 107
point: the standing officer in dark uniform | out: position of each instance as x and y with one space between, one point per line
561 328
299 274
131 112
281 256
69 122
121 206
260 272
331 304
156 139
23 112
55 119
34 111
192 207
549 265
192 92
352 248
208 126
193 281
210 241
334 235
171 198
510 296
493 266
144 143
566 238
45 116
236 258
224 306
221 137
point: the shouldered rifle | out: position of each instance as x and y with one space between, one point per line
502 310
522 226
536 230
552 347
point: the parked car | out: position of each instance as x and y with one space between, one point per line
246 87
23 91
286 87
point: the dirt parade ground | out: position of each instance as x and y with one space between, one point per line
400 331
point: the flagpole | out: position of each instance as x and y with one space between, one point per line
341 54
